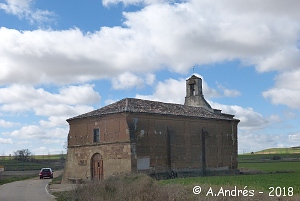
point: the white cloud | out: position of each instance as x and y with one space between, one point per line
54 121
150 79
275 118
286 90
24 9
195 32
61 110
4 123
294 138
69 101
57 107
6 141
127 80
249 119
38 132
287 97
249 142
229 92
171 91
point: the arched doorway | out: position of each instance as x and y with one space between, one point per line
97 167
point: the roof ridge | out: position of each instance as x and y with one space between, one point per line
153 107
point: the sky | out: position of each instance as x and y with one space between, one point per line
59 59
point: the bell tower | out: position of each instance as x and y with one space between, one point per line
194 95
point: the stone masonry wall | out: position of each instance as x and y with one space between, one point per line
116 159
114 146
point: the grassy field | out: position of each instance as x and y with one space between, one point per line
35 163
282 172
44 157
7 177
18 170
279 151
254 181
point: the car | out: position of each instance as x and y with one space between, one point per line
46 172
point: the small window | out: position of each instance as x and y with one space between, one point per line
96 135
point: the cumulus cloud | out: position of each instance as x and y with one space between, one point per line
19 98
176 36
171 90
286 90
229 92
249 142
54 121
38 132
129 80
56 107
249 119
5 141
4 123
24 9
173 35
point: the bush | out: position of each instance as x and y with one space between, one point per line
276 157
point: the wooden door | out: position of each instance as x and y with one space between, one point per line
97 167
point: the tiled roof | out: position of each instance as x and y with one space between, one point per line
154 107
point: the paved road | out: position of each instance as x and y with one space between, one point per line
26 190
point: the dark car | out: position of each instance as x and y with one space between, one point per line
46 172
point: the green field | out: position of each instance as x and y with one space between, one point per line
35 163
279 151
283 172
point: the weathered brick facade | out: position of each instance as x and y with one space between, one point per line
153 137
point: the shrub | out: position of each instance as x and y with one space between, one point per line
276 157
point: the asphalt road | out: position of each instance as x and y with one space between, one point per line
26 190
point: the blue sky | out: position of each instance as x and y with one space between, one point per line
59 59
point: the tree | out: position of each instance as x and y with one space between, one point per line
22 155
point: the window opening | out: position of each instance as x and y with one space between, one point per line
192 90
97 135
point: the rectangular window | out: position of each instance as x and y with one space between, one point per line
96 135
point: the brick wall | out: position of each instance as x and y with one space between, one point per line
112 128
153 132
167 142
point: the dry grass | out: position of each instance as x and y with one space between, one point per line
133 187
142 187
